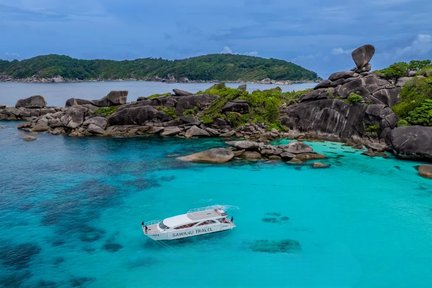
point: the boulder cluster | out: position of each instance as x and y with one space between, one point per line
294 153
146 116
350 106
27 108
355 106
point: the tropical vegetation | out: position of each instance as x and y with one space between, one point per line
221 67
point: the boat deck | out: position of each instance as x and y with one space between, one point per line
204 214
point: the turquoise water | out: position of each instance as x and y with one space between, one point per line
70 214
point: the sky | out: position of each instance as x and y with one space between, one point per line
316 34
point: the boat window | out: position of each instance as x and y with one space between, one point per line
206 222
223 220
163 226
186 226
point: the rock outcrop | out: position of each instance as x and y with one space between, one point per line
215 155
349 105
137 116
36 101
113 98
294 150
179 92
414 142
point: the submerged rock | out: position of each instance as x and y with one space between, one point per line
425 171
18 256
320 165
282 246
215 155
112 247
29 138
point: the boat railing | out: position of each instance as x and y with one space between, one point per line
205 208
151 222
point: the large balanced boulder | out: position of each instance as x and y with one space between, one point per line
137 116
363 55
215 155
36 101
414 142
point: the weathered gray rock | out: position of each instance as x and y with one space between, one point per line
75 101
239 106
414 142
339 75
335 117
196 131
297 147
316 95
192 101
170 131
114 98
74 116
287 156
137 116
36 101
425 171
363 55
99 121
324 84
402 81
95 129
179 92
245 144
250 155
215 155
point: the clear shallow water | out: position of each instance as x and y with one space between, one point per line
70 214
56 94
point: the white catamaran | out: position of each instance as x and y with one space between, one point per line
194 222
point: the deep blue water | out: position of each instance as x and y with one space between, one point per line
70 214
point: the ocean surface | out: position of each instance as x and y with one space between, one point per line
70 214
56 94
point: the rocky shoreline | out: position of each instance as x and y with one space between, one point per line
353 107
60 79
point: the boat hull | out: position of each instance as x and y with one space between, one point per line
189 232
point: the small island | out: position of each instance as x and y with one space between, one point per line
207 68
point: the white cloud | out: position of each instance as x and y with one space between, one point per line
421 46
226 50
340 51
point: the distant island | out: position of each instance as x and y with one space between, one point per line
207 68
